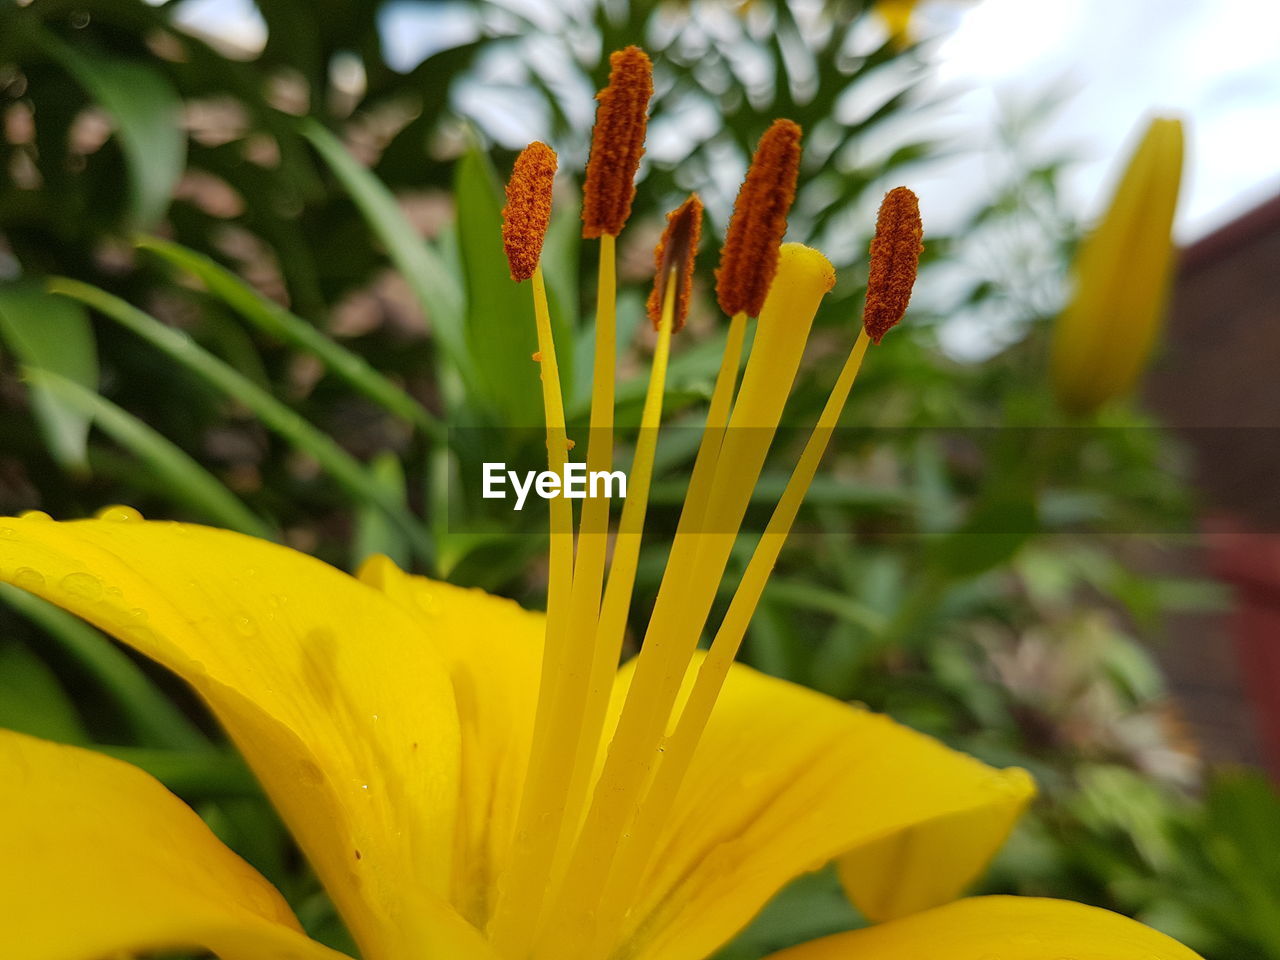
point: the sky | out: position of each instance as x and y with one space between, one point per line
1215 63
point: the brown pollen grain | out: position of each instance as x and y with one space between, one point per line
617 143
676 251
749 257
528 211
895 258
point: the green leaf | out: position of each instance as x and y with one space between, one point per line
184 479
375 533
152 716
993 534
148 120
32 700
501 334
276 321
422 267
53 334
348 472
192 774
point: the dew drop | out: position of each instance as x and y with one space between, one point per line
119 513
82 585
6 533
245 626
425 601
139 636
28 579
33 515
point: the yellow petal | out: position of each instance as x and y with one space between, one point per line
335 696
931 862
1106 334
493 649
100 860
786 780
999 928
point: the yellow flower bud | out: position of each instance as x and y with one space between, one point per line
1105 335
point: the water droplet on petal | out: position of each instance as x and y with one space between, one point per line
28 579
82 585
425 601
245 626
120 513
139 636
7 533
33 515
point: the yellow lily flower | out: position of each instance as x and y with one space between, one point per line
1106 334
474 781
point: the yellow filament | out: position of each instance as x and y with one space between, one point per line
687 590
557 745
638 847
516 911
611 625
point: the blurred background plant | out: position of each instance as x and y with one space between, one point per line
264 289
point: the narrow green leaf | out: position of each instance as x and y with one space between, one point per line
807 596
50 333
375 533
151 715
32 700
275 320
148 119
501 334
183 477
348 472
422 267
192 774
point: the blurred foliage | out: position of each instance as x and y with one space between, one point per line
264 290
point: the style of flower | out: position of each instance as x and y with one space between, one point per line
474 781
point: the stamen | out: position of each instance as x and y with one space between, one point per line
528 211
617 143
516 913
694 570
895 258
636 852
749 258
674 256
611 625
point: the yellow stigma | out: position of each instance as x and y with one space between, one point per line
1106 334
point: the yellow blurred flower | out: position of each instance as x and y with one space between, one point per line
1105 336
